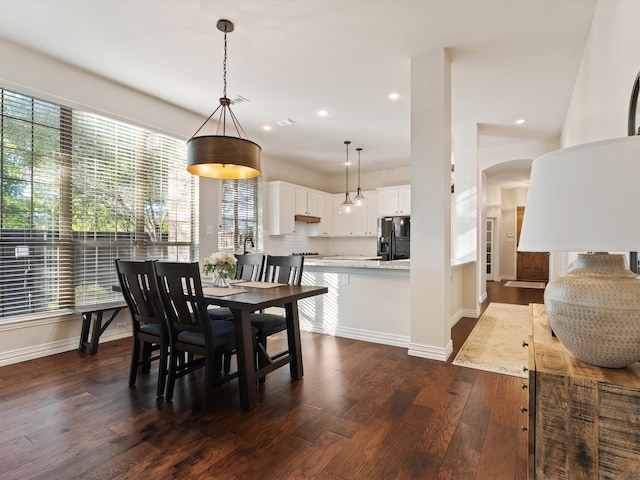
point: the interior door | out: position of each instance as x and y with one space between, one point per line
531 265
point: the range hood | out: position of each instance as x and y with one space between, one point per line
307 219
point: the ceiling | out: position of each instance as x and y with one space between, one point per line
511 59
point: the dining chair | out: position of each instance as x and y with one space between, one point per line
280 269
191 331
150 331
249 268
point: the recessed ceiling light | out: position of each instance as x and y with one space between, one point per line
323 113
393 96
520 121
267 127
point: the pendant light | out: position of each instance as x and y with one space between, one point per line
360 199
219 155
346 207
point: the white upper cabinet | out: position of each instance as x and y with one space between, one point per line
325 227
373 212
307 202
281 199
361 222
395 200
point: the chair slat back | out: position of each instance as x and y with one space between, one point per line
180 289
140 291
249 267
284 269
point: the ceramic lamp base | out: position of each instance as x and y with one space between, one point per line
594 309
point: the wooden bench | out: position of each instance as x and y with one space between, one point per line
92 314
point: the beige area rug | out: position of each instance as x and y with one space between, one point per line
495 343
521 284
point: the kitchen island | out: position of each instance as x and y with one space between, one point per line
367 300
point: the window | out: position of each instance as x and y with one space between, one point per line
77 191
240 214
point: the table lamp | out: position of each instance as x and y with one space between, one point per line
584 199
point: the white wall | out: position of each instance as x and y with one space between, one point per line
610 63
507 230
600 101
490 156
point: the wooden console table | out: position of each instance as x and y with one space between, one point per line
584 421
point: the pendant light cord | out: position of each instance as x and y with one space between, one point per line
347 142
358 169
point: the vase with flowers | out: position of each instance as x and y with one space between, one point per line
223 267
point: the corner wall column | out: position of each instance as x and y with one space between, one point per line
431 205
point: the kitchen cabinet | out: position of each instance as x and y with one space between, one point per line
325 208
373 212
307 202
281 197
395 200
362 222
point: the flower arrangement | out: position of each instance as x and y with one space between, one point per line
220 261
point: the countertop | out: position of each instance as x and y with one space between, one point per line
352 262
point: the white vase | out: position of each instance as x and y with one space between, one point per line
594 309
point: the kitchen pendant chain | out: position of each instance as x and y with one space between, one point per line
224 66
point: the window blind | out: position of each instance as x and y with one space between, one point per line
240 215
77 191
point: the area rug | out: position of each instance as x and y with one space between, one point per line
495 343
518 283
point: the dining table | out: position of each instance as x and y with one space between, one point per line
248 297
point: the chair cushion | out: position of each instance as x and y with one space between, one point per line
223 335
150 329
219 313
268 323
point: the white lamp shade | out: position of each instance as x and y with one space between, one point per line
584 199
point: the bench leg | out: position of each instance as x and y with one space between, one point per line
84 333
95 333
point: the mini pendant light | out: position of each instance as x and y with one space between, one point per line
360 199
219 155
346 207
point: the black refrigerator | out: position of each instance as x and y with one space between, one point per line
394 238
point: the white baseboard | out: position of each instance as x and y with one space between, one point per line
416 350
430 352
357 334
51 348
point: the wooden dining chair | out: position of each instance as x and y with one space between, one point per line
150 331
280 269
248 268
191 331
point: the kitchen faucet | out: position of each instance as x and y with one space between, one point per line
250 238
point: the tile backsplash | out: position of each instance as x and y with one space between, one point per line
300 242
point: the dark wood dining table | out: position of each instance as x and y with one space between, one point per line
254 299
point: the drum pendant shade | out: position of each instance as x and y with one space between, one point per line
219 156
222 156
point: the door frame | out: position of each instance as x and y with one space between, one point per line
495 256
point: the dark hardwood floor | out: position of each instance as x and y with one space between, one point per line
362 411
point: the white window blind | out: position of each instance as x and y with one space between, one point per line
241 214
78 191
